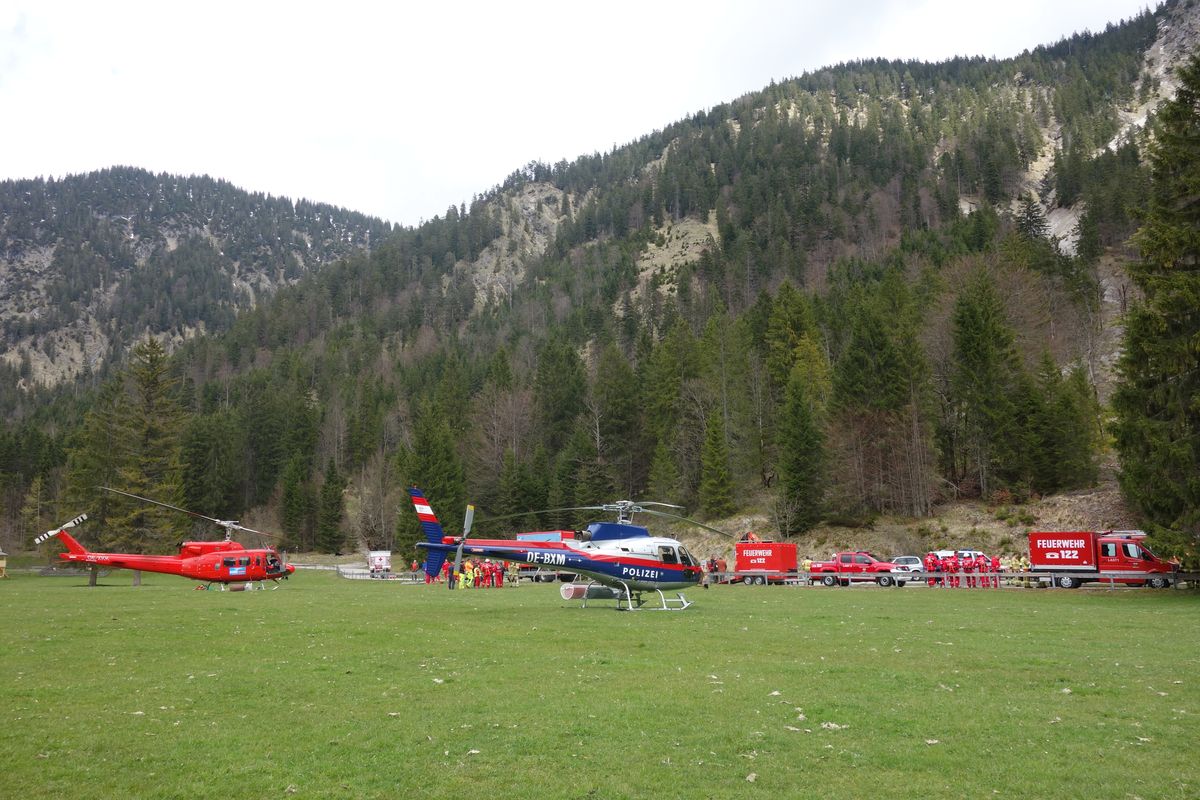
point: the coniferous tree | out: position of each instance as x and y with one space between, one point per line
35 511
433 465
802 458
150 435
983 380
296 505
1158 416
716 484
664 482
96 457
331 507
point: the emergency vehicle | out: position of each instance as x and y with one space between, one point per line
763 562
1074 557
861 566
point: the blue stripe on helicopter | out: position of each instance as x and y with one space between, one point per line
564 560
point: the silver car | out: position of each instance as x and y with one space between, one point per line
908 563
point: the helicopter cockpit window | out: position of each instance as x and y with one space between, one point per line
686 558
667 554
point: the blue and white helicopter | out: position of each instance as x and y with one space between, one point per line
619 560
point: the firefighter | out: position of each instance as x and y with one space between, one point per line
995 572
953 565
930 565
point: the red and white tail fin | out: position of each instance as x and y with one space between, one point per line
67 539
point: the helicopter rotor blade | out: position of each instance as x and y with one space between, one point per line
468 519
542 511
228 525
664 505
687 520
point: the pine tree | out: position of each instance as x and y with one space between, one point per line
1031 220
96 456
802 458
434 466
296 505
716 484
35 511
1158 415
331 507
664 483
983 380
151 437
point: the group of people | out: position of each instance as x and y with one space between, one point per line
483 574
973 572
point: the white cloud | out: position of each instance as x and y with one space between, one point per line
399 111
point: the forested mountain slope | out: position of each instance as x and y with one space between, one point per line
834 298
88 263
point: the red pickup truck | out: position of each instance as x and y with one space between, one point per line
861 566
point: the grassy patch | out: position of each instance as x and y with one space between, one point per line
336 688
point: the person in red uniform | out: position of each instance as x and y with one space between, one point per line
930 565
953 565
981 568
446 571
995 572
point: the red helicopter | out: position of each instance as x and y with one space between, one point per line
223 562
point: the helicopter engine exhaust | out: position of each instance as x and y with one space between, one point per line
580 591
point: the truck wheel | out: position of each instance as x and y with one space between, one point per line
885 580
829 580
760 580
749 579
901 584
1068 582
1158 583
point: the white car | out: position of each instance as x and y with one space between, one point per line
908 563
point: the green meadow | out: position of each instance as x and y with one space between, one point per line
332 688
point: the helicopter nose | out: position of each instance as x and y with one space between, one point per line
290 568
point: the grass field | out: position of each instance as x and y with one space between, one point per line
331 688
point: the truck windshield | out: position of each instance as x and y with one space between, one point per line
1136 551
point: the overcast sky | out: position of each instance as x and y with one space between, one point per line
398 112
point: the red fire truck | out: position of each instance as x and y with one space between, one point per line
764 562
1074 557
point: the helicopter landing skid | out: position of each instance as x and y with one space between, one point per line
632 601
